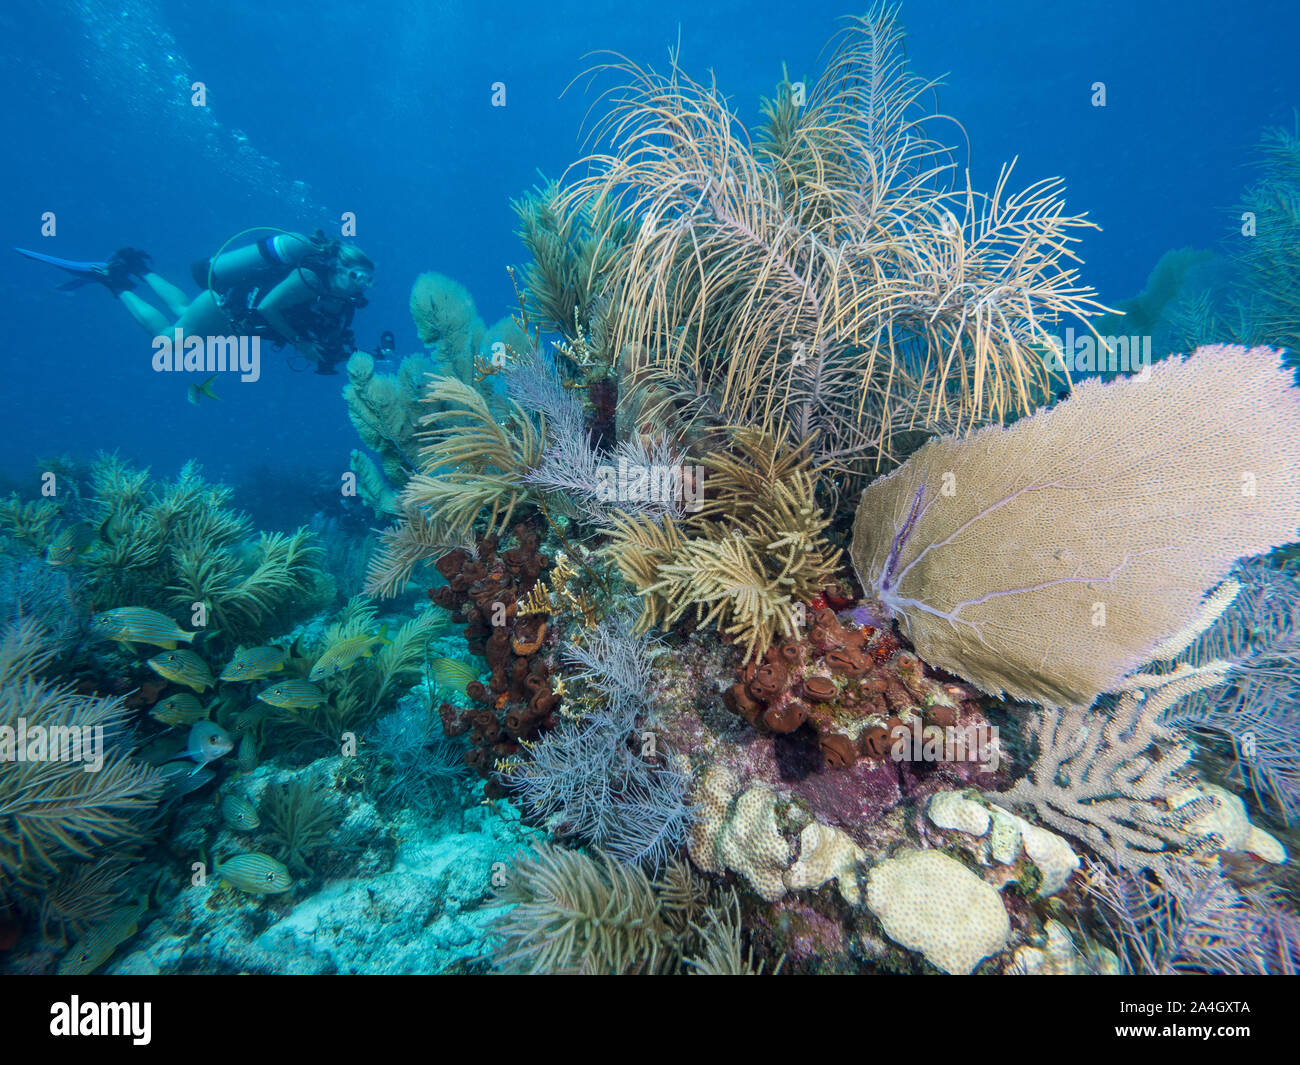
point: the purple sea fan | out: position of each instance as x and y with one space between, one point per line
1193 921
1050 559
1259 707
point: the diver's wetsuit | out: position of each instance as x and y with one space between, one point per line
325 321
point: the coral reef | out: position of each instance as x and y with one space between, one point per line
490 589
748 558
423 763
603 778
57 818
1048 860
447 320
299 821
1095 779
571 913
854 688
784 279
572 254
385 410
170 545
482 457
356 695
1258 707
1195 922
1115 543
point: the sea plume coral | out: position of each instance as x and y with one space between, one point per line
571 913
1050 559
574 914
748 559
1195 922
822 278
55 814
473 458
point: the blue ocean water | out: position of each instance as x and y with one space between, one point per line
316 108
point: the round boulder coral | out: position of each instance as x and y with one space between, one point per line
931 903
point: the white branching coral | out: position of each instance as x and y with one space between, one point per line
1111 777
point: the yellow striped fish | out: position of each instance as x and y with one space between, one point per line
183 667
246 756
239 813
292 695
453 674
258 874
139 624
248 720
255 663
71 542
344 654
97 945
182 709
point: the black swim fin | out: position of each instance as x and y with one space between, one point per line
115 274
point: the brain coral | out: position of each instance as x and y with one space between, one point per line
933 904
1049 559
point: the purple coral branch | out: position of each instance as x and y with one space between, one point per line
900 538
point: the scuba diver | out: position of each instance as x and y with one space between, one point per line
387 346
287 288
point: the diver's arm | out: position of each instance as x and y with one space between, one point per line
293 291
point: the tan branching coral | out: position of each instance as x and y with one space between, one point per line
823 280
54 814
571 256
749 559
473 458
1050 559
446 319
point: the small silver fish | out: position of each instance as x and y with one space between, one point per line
208 742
